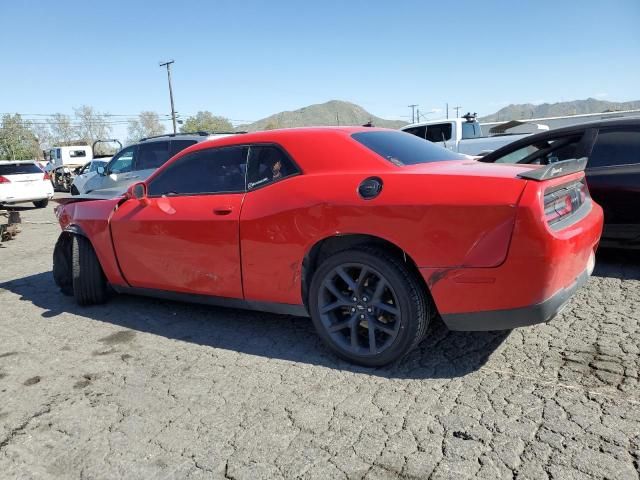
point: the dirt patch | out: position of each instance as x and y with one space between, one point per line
118 338
32 381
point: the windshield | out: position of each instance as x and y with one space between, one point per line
402 148
471 130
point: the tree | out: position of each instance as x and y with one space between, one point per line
91 126
17 142
63 132
147 125
206 122
43 136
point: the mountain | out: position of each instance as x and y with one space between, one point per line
527 110
333 112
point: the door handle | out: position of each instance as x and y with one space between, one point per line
222 210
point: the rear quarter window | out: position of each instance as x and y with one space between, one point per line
402 148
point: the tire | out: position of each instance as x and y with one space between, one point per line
74 190
41 203
62 264
89 284
343 312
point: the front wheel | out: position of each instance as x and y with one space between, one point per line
41 203
367 306
89 284
74 190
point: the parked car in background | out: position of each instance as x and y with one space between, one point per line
612 148
24 182
462 135
136 162
65 162
369 231
83 174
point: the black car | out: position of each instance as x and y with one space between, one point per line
612 148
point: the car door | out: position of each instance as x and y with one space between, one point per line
121 164
185 236
82 176
613 175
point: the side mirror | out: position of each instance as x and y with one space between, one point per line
101 170
138 191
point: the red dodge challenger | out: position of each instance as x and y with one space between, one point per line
371 232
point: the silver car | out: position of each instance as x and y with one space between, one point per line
137 162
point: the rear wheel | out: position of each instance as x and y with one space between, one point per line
89 284
367 306
41 203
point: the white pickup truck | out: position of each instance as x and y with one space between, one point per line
462 135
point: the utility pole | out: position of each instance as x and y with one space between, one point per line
413 112
457 109
447 110
173 110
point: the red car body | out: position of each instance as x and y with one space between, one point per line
476 233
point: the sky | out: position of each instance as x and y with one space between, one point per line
248 59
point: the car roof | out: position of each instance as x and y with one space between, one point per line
559 132
313 148
198 136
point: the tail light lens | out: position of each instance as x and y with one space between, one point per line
46 176
4 179
560 202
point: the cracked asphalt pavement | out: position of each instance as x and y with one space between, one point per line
143 388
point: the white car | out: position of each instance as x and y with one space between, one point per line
86 173
23 182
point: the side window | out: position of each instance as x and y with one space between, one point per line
268 164
84 169
438 133
615 147
215 170
123 162
152 155
417 131
179 145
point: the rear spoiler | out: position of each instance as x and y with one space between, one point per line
556 169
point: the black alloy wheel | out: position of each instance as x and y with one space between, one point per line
367 306
359 309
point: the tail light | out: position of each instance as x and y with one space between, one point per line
562 201
4 179
46 176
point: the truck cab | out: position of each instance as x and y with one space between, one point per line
462 135
74 155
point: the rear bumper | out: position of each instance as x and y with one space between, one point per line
25 199
516 317
24 194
